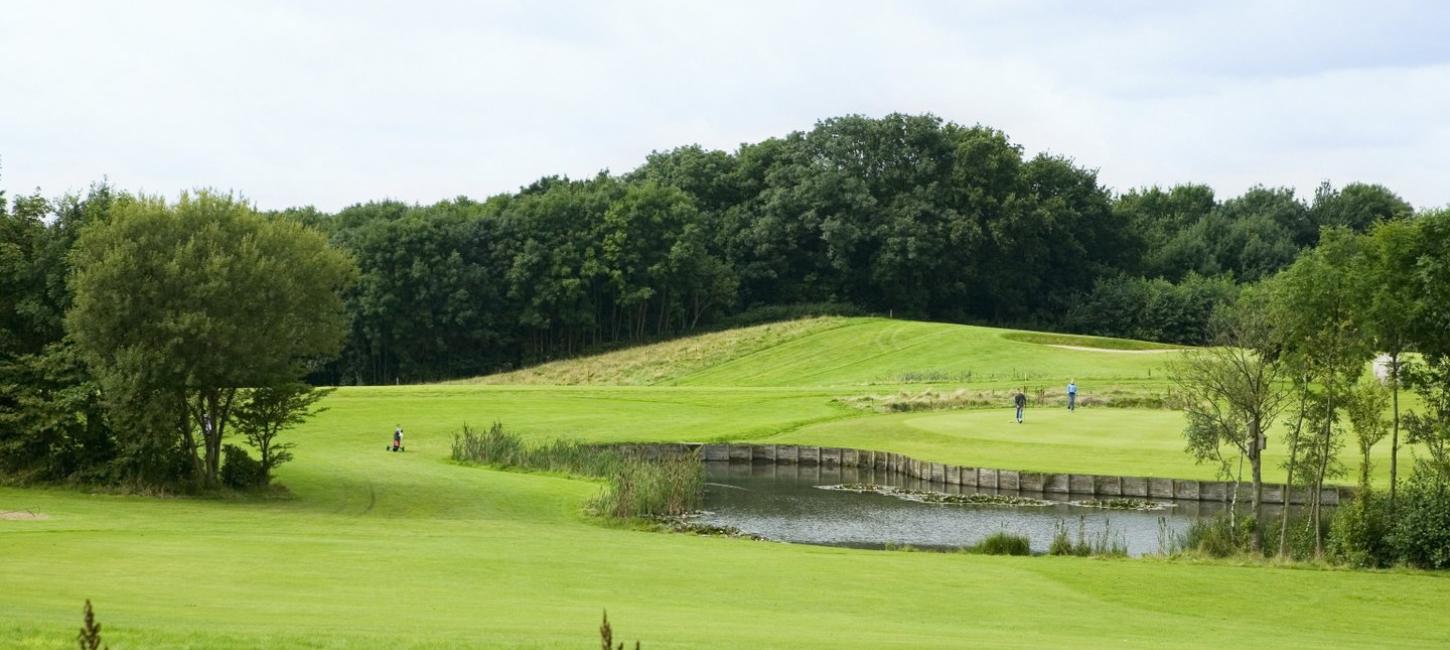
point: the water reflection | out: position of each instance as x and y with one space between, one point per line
781 502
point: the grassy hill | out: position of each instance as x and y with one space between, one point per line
858 351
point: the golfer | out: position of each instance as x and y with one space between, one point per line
1071 395
1020 399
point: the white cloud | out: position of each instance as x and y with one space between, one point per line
332 104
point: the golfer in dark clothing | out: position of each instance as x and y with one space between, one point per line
1020 399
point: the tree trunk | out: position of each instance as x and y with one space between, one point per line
1233 504
1256 544
1289 479
184 423
1315 511
1395 435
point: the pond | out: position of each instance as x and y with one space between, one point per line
792 503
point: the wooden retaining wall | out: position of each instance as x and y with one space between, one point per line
1002 480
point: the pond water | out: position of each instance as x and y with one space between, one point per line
785 502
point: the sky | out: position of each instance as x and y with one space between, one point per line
335 103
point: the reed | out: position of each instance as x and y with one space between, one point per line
1003 543
635 486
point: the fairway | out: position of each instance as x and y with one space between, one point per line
375 549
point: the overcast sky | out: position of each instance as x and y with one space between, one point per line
331 104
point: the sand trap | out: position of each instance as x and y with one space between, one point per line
22 515
1084 348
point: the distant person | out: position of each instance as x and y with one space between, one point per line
1020 399
1071 395
398 438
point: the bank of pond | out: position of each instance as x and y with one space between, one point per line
871 499
868 508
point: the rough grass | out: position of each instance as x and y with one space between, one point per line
836 351
662 363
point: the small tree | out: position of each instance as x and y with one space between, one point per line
1365 407
1358 531
263 413
1390 298
90 635
1313 309
1232 393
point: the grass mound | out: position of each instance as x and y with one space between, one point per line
662 363
838 351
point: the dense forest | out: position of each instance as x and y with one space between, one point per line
905 215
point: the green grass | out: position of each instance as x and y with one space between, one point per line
1096 342
852 352
383 550
1127 442
663 363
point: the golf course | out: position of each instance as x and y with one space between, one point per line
412 550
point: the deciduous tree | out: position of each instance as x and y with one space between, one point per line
178 306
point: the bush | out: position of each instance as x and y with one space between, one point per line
239 470
1003 543
1359 532
1151 309
1421 532
1215 536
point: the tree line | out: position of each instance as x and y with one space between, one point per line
903 215
1296 345
906 215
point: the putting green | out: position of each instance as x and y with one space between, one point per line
1127 442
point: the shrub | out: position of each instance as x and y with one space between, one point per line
1151 309
1003 543
1421 532
90 635
239 470
1300 538
1215 537
606 636
1359 532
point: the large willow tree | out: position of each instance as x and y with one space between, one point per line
179 306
